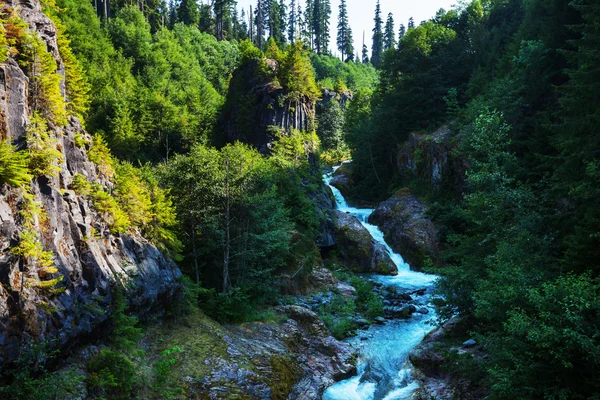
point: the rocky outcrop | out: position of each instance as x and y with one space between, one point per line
295 359
342 179
433 158
256 104
324 203
88 258
330 95
406 228
433 369
358 250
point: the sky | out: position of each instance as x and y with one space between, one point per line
362 12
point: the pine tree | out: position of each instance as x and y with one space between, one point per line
282 22
411 23
260 24
292 22
401 33
389 37
172 14
242 33
344 37
223 17
309 24
377 50
365 51
188 12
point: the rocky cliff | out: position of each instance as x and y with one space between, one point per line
256 103
64 304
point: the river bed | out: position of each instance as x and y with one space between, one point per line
384 372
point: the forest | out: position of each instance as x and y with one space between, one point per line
210 128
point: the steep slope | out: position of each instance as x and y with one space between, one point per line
66 298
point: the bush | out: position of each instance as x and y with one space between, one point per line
14 165
111 375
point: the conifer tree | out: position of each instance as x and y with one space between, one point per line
377 50
401 33
344 37
242 32
260 24
411 23
365 51
292 22
282 22
389 37
188 12
308 32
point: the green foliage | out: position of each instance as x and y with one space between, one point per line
165 385
44 158
111 375
124 334
330 117
44 87
14 165
28 379
296 74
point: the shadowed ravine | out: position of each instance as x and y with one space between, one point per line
383 368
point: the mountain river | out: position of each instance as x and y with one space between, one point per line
384 372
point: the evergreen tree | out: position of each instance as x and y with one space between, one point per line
308 33
389 37
206 22
401 33
259 23
377 50
242 32
188 12
411 23
292 22
172 14
344 36
365 51
283 17
223 12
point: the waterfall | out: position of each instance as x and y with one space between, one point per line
384 372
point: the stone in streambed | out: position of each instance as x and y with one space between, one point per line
358 250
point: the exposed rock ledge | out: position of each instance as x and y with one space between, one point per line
406 228
358 250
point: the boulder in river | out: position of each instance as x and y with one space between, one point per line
406 228
342 178
359 251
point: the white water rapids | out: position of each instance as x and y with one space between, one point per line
384 372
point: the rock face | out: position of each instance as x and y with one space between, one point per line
358 250
257 102
433 159
89 259
406 228
329 95
295 360
324 203
342 179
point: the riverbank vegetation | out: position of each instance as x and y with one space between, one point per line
515 81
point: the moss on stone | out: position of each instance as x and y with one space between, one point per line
285 376
200 338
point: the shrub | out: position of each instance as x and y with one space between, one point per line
44 158
14 165
111 375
